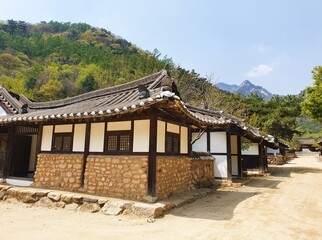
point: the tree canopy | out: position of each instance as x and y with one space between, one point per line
312 104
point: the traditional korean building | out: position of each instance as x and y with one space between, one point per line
131 141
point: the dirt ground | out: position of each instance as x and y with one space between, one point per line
286 205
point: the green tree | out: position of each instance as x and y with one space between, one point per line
89 83
312 104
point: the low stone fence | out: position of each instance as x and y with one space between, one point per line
276 159
290 156
81 202
59 171
117 176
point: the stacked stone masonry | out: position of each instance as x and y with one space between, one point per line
59 171
118 176
176 174
202 171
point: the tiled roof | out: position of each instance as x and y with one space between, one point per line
117 100
306 141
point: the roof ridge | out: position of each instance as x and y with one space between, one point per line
100 92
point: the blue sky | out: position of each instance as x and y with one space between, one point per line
273 43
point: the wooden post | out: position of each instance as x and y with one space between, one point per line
229 167
208 141
86 150
152 156
189 140
239 151
261 157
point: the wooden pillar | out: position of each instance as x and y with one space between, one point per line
208 141
152 156
239 152
261 157
189 140
229 166
86 150
7 163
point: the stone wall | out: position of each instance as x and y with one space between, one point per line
202 171
276 159
118 176
173 175
59 171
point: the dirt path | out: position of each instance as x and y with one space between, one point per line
286 205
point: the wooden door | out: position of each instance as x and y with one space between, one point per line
20 156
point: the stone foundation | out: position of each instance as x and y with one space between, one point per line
118 176
173 175
202 172
276 159
176 174
290 155
59 171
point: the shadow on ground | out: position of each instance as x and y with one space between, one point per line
218 206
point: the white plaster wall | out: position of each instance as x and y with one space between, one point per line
47 135
79 137
119 126
96 142
161 137
233 144
173 128
141 136
273 151
220 165
63 128
184 140
218 142
32 156
201 144
234 165
252 150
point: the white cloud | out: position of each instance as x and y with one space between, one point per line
259 71
261 49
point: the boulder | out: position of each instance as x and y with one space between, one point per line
67 198
45 202
89 207
72 206
55 196
42 193
2 194
27 196
78 199
90 200
148 210
115 208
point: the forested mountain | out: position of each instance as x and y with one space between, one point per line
53 60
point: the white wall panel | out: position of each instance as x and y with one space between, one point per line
273 151
161 137
201 144
234 145
79 137
32 156
96 143
119 126
218 142
64 128
47 135
173 128
220 166
184 140
234 165
252 150
141 136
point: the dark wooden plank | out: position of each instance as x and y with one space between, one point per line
208 140
86 150
229 164
152 156
239 154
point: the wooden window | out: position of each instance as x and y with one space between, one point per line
118 142
172 143
62 142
